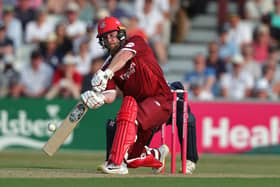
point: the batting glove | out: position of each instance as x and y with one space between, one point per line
92 99
100 79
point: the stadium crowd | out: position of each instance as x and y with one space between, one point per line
49 48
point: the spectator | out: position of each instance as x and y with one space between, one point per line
180 22
201 80
127 6
95 49
49 51
151 21
214 61
255 9
86 13
35 78
66 81
239 32
114 10
274 53
261 44
236 84
63 42
75 28
265 87
56 6
250 65
36 4
6 44
163 8
24 13
96 64
276 77
13 26
83 59
38 30
227 49
132 28
9 77
273 20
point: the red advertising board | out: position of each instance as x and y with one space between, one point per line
232 127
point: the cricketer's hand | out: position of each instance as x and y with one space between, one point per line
92 99
100 79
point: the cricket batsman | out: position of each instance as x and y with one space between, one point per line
147 99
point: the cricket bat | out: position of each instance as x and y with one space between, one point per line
65 129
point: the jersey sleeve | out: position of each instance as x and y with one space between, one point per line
135 44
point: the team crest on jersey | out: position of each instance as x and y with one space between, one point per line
129 72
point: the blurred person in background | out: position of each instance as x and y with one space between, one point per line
87 10
94 48
261 89
63 43
273 20
66 80
96 64
36 3
255 9
49 51
13 26
227 49
274 65
180 22
56 7
75 28
200 81
132 28
35 78
115 10
261 44
9 77
83 58
250 65
38 30
151 20
214 61
239 31
24 13
163 8
236 84
6 44
265 87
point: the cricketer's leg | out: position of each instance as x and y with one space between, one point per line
124 136
138 156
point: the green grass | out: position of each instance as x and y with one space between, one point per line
66 169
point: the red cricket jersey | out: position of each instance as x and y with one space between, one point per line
142 76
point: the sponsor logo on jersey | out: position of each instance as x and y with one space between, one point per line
129 72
